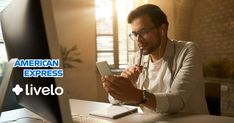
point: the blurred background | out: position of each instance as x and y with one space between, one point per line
96 30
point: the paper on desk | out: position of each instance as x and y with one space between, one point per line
114 111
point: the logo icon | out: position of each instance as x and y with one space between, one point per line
17 89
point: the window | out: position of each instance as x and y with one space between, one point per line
113 44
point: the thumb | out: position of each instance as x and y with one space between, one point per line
140 68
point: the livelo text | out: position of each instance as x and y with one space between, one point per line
30 90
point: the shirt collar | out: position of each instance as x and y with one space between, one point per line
169 49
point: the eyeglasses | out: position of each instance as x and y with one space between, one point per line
143 33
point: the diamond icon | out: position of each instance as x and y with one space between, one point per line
17 89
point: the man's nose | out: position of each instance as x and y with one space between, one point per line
139 38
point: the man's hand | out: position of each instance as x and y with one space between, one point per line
132 73
121 88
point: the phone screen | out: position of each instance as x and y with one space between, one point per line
104 68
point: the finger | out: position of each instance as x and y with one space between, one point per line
109 78
136 69
124 74
109 87
127 74
134 73
105 87
122 81
113 91
102 78
130 74
130 68
119 95
114 85
116 95
139 68
133 70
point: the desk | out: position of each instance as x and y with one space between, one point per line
84 107
19 113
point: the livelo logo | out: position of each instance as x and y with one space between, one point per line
30 89
17 89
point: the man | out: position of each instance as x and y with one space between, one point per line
170 80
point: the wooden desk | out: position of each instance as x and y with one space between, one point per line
19 113
82 107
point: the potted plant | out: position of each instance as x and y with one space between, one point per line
70 56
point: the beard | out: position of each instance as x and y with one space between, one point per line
151 48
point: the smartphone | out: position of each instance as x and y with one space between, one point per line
103 68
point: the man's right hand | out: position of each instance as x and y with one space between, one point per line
132 73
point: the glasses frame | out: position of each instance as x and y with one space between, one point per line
142 33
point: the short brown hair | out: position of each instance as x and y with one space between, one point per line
158 17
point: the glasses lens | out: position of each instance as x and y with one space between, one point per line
132 36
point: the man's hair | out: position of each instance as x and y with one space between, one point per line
158 17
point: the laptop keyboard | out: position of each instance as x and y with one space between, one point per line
87 119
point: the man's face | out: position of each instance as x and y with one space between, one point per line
151 38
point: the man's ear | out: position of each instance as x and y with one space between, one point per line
163 29
162 32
